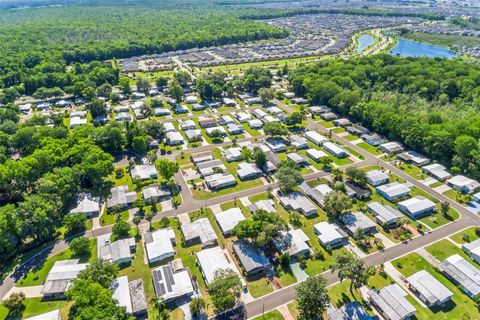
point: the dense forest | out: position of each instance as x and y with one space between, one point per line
429 105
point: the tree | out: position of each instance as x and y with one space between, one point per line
261 229
74 223
97 108
121 228
140 144
294 119
143 84
139 203
182 77
197 306
166 168
351 268
288 175
15 303
104 90
357 175
445 208
326 163
259 157
336 203
266 94
225 289
136 220
124 85
312 298
176 91
149 217
100 271
80 246
161 82
275 129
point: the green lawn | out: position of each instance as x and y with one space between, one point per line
413 171
444 249
108 218
350 137
438 219
260 287
252 132
326 124
272 315
34 307
373 150
286 277
38 275
462 306
338 130
342 161
293 308
236 204
354 153
436 184
472 233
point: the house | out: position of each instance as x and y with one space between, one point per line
335 150
120 196
356 190
294 242
315 154
181 109
317 193
329 234
417 207
315 137
354 131
207 122
413 158
121 109
201 157
217 130
391 147
276 144
130 295
169 127
25 108
299 100
259 113
317 110
298 142
473 250
228 219
385 215
220 180
194 135
391 302
463 274
119 252
187 125
207 168
60 277
253 261
298 159
377 177
51 315
123 116
212 260
199 232
393 190
350 311
232 154
266 205
243 117
138 298
328 116
174 138
247 170
274 110
77 121
160 112
373 139
87 204
289 95
428 289
191 99
298 202
342 122
270 119
155 194
226 120
234 128
437 171
255 124
229 102
159 245
144 172
172 282
463 184
355 221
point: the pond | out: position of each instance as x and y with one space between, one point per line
364 41
407 48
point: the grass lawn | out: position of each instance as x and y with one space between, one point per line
272 315
342 161
258 197
124 179
444 249
340 294
236 204
436 184
462 307
260 287
438 219
293 308
38 275
413 171
472 234
252 132
110 218
351 137
373 150
326 124
338 130
34 307
286 277
354 153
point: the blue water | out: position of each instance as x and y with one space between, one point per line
365 41
407 48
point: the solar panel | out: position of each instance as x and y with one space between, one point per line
159 287
167 279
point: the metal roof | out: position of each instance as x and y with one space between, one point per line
429 287
392 301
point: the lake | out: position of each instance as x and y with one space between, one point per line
407 48
364 41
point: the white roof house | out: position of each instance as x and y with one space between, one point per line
159 112
437 171
376 177
155 192
210 131
52 315
417 207
228 219
431 291
174 138
317 193
144 172
119 251
473 250
270 119
77 121
61 277
212 260
393 190
276 145
87 204
463 184
354 221
391 302
159 244
243 116
266 205
329 234
226 119
210 167
315 137
294 242
391 147
234 128
171 283
220 180
168 126
255 124
121 293
120 196
232 154
130 295
188 124
298 159
296 201
298 142
247 170
260 114
316 154
386 215
199 231
252 259
194 135
462 273
413 157
335 150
